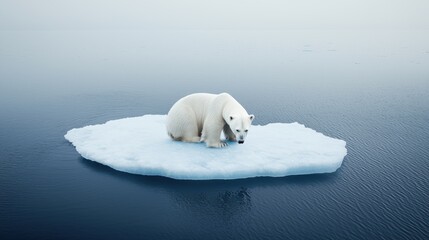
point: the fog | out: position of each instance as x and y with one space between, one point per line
206 15
73 47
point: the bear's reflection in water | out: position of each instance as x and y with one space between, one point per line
223 199
226 204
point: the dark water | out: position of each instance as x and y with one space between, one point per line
369 88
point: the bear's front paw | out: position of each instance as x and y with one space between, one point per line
217 144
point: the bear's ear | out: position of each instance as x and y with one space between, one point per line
251 116
231 118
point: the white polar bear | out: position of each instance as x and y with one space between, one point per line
202 117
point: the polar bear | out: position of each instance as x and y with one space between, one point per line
201 117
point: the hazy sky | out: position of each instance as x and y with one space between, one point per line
219 14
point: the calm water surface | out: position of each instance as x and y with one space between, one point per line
370 88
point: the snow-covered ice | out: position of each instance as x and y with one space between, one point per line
140 145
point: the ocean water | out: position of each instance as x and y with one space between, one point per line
367 87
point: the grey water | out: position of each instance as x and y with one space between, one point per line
367 87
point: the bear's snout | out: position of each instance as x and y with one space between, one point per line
241 142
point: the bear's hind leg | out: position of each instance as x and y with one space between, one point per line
183 125
188 129
191 139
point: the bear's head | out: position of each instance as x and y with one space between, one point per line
239 125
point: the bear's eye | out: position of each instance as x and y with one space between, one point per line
246 130
238 130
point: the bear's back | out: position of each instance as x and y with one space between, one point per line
199 102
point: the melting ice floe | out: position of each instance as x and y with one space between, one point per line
140 145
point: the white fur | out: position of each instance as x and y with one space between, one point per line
203 116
